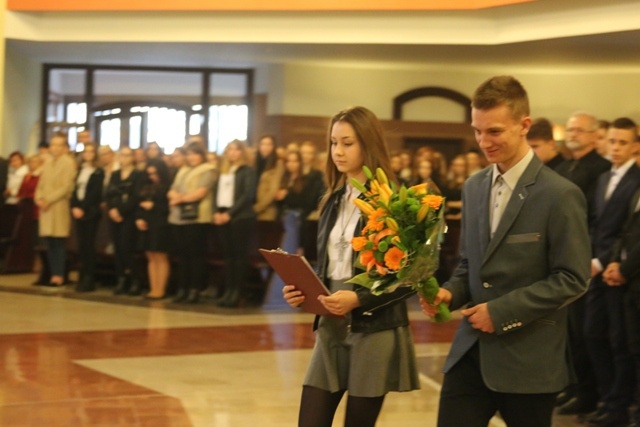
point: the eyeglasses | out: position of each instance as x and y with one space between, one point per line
578 130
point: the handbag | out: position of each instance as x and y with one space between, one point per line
189 211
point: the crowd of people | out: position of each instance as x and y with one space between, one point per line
602 159
163 207
546 230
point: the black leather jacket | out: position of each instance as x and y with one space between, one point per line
376 313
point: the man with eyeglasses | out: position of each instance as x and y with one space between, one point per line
583 169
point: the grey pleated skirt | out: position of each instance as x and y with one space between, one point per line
366 365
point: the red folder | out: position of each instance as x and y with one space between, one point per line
296 270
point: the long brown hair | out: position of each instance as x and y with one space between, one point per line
370 136
298 183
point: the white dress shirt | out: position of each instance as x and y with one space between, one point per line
502 188
616 176
614 180
226 189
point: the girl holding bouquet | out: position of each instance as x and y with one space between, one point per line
366 349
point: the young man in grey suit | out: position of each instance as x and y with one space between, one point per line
525 256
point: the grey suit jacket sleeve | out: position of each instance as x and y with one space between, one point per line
568 265
458 285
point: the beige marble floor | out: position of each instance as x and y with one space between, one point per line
111 358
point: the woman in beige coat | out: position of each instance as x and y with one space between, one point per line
269 170
52 197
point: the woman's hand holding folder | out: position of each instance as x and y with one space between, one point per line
292 295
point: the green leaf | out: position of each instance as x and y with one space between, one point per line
367 172
401 246
444 314
403 194
356 184
362 279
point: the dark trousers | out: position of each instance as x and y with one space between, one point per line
86 232
235 238
57 254
632 316
606 337
124 235
465 401
586 387
190 242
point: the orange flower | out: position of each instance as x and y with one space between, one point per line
381 235
375 223
359 243
393 258
420 188
367 259
432 200
381 270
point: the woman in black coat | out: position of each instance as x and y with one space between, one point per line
235 218
85 209
153 223
123 194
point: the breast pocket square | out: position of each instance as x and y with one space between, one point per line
523 238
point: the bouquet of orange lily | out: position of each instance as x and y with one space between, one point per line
400 244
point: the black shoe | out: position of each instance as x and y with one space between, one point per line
576 406
121 286
86 284
43 280
232 300
135 289
563 397
194 297
85 287
610 419
181 295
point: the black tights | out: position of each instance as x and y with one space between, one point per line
318 407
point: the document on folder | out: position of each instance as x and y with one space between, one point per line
296 270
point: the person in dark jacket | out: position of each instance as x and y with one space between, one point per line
122 203
624 271
298 196
153 223
85 210
235 218
369 350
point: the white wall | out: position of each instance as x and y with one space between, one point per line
22 87
320 90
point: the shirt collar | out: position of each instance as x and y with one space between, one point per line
622 170
512 176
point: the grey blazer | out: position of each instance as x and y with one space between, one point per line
536 264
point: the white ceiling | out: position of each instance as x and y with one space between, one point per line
551 34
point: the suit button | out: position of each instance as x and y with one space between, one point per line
486 285
505 329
